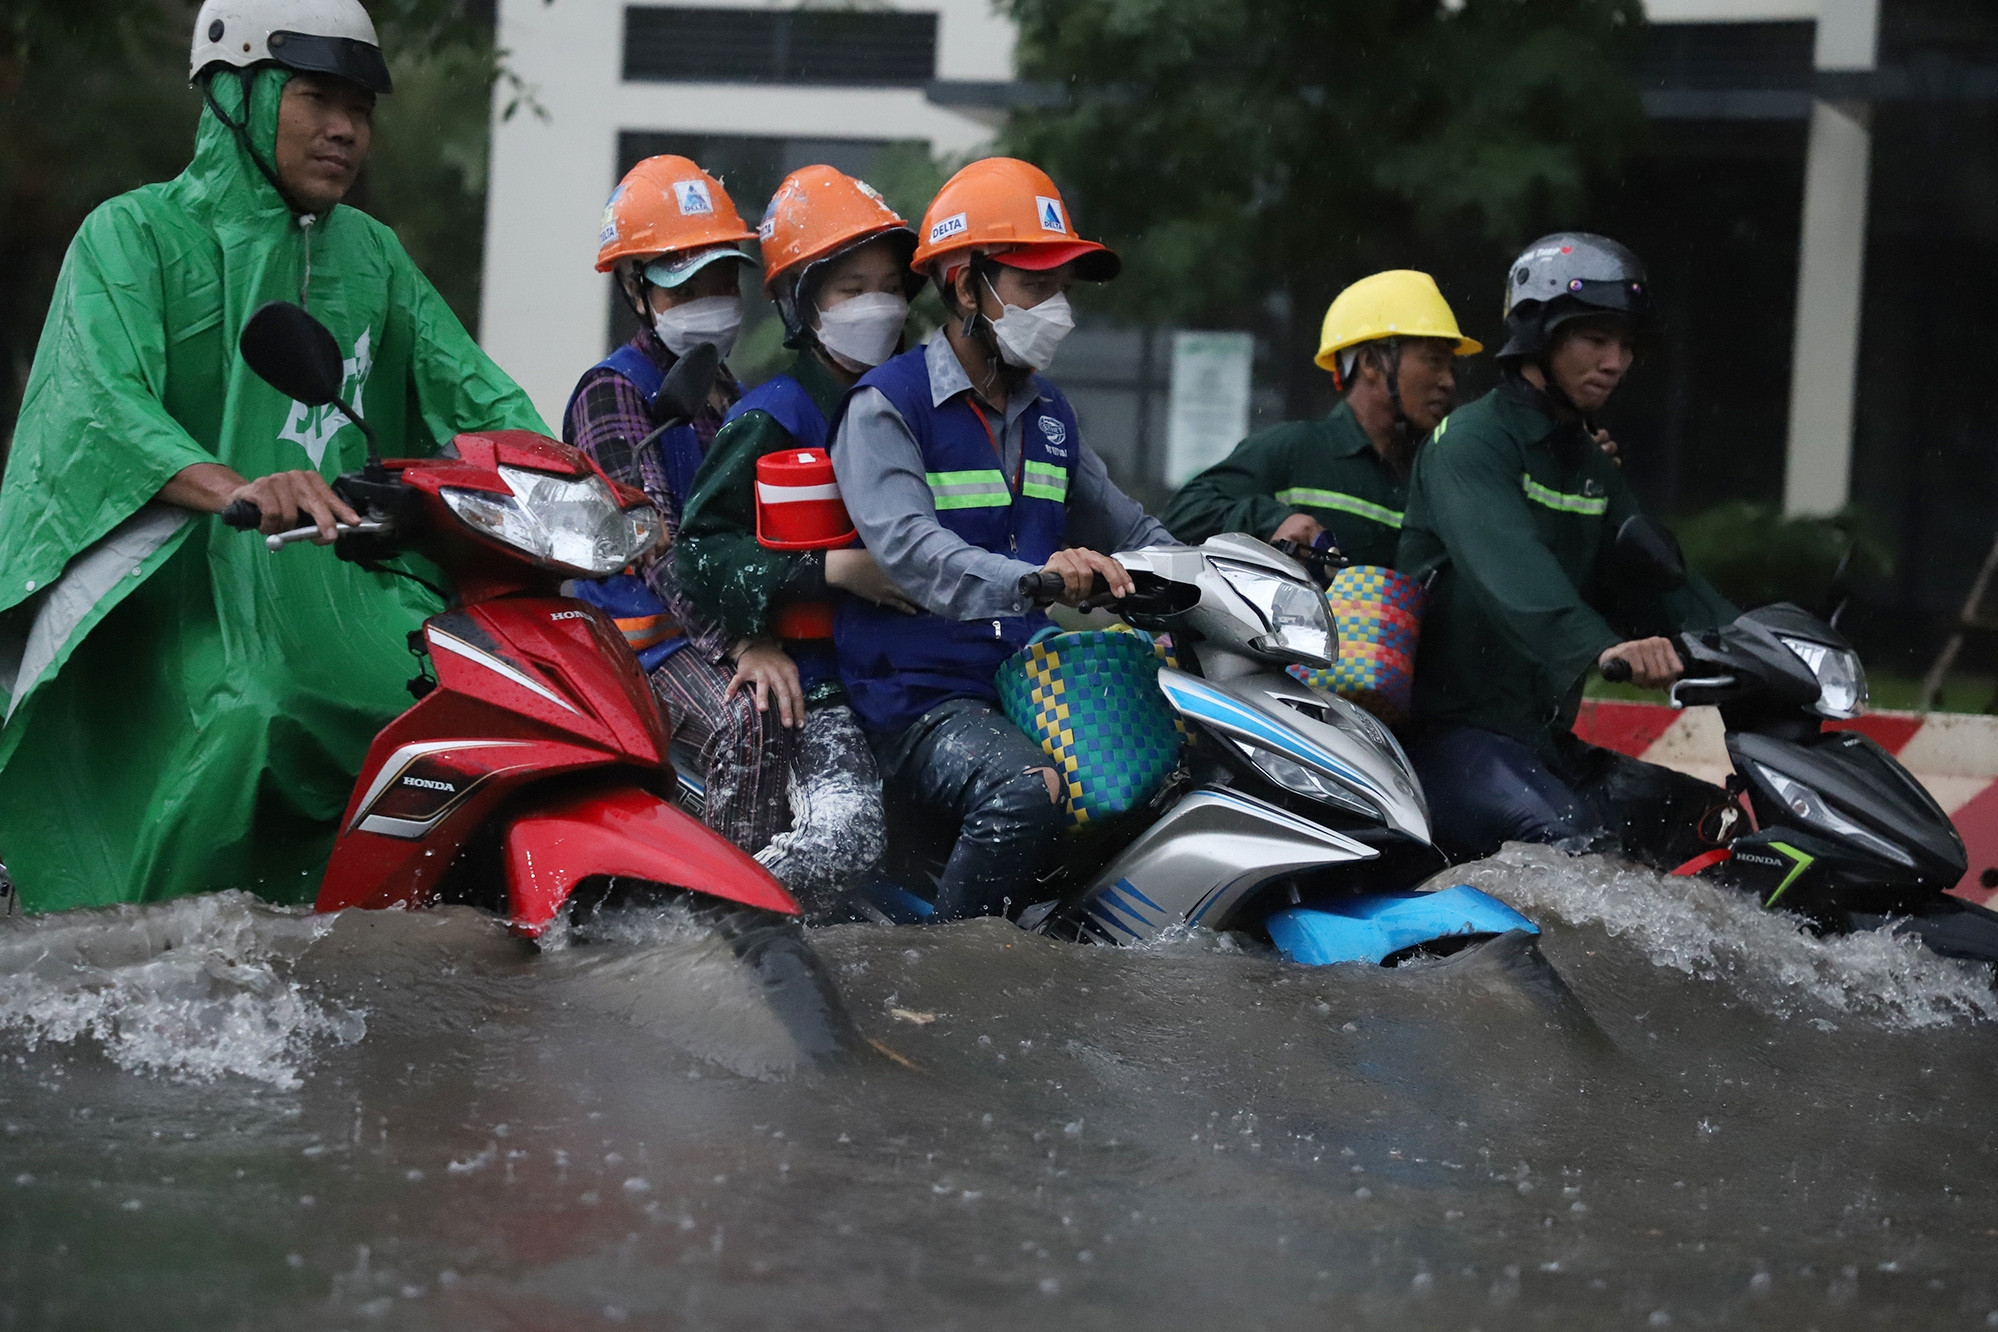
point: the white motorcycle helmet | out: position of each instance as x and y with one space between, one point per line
313 36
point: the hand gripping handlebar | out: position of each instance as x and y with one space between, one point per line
245 515
1043 587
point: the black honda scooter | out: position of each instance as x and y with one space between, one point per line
1843 834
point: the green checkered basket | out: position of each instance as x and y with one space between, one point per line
1092 699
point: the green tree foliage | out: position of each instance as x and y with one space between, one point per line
427 174
1251 157
1755 555
94 101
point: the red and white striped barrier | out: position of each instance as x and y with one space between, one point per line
1953 754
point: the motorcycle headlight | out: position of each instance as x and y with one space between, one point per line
1294 777
1299 621
1813 810
572 523
1841 679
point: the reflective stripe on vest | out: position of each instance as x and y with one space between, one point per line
980 488
1592 505
644 631
1306 497
1045 481
898 667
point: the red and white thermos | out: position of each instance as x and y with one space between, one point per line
798 508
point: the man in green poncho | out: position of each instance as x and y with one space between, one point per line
185 711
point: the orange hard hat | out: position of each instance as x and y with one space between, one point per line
1010 210
665 204
818 213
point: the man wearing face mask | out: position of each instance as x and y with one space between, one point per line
672 241
836 262
963 469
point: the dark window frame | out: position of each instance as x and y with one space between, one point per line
805 47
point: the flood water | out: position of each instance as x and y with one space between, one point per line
218 1115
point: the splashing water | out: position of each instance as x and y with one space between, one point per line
1713 933
1719 1121
194 989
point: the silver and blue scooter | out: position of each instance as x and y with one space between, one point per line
1295 816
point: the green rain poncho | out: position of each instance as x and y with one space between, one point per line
186 711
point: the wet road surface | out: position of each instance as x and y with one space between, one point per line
218 1115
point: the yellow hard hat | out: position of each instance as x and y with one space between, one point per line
1400 303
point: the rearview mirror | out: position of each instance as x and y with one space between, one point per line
689 382
294 353
1646 557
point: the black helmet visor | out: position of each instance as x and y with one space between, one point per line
342 57
1631 298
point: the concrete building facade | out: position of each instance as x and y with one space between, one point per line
598 85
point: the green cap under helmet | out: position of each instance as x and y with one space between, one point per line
333 37
1569 275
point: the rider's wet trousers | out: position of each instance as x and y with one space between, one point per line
1486 789
745 754
964 766
836 831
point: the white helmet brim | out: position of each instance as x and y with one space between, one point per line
333 37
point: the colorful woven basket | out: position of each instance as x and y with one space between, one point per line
1092 699
1378 614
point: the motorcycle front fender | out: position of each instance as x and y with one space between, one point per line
624 833
1373 927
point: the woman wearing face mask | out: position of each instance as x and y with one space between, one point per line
964 468
836 262
672 241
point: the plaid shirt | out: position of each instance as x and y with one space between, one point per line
608 419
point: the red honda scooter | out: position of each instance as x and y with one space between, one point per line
535 756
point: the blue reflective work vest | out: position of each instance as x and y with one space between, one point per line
785 399
626 598
897 667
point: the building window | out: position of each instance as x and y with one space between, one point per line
665 43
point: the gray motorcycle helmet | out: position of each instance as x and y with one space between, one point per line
1568 275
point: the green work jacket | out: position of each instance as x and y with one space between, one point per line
729 576
1514 515
1328 469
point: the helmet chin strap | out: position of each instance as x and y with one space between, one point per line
634 284
977 327
1542 360
1387 356
241 129
798 334
1557 395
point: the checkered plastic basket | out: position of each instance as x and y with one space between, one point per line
1093 701
1378 614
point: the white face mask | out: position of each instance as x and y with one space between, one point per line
715 319
1028 337
861 332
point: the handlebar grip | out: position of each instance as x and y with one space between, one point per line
1043 587
1617 671
243 515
